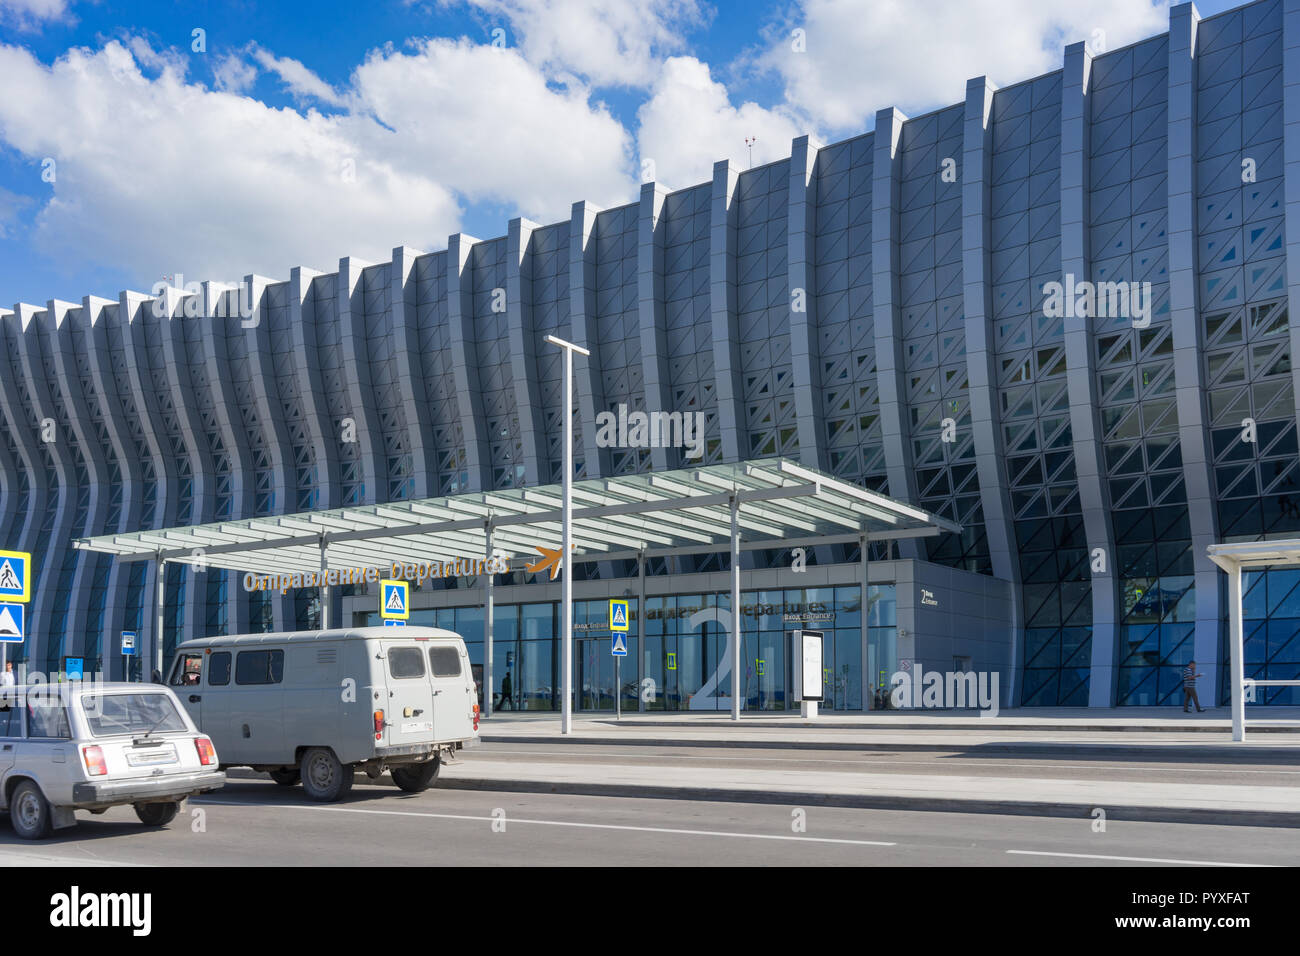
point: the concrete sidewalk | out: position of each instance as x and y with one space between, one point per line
1196 736
1154 735
1112 719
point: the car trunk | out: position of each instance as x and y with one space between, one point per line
139 735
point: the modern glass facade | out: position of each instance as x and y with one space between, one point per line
681 662
875 308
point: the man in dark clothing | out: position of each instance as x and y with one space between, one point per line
506 692
1190 677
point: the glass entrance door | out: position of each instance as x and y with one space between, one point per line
700 685
593 674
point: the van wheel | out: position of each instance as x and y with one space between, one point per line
287 776
324 778
29 811
157 814
418 777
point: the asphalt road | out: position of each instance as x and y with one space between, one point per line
253 821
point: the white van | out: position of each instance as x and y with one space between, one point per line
315 707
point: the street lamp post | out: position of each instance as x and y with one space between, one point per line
566 543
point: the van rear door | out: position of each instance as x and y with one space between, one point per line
409 710
453 688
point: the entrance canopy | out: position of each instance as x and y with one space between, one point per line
779 503
1247 555
1235 558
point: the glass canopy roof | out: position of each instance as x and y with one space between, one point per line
780 503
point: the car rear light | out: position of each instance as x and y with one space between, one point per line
379 724
94 758
207 753
476 716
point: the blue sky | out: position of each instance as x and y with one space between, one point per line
300 133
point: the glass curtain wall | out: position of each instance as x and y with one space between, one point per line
684 663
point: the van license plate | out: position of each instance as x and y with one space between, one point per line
151 757
418 727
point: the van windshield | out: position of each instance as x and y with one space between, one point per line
109 714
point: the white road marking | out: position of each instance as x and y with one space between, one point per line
9 857
866 761
1131 859
545 823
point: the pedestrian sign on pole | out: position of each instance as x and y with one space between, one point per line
128 643
618 615
12 623
619 647
393 600
74 668
15 581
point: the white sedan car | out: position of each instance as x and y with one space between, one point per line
82 746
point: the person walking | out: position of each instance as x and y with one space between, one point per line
1190 677
7 678
507 693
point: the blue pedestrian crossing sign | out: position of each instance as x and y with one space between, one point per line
15 579
12 623
394 600
618 615
619 647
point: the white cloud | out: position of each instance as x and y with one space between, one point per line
605 42
30 14
156 174
689 122
12 206
302 83
233 73
485 121
159 176
861 57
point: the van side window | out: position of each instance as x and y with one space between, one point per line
445 661
219 669
11 719
405 662
48 719
188 671
259 667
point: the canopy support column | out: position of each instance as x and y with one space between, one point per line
488 612
868 678
1237 663
640 631
324 587
156 658
736 636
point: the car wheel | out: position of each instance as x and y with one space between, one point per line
157 814
324 778
417 777
29 811
287 776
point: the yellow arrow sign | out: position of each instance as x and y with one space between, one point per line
550 559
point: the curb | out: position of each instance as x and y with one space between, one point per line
983 727
1246 818
1170 751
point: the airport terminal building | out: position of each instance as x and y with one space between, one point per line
1055 317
